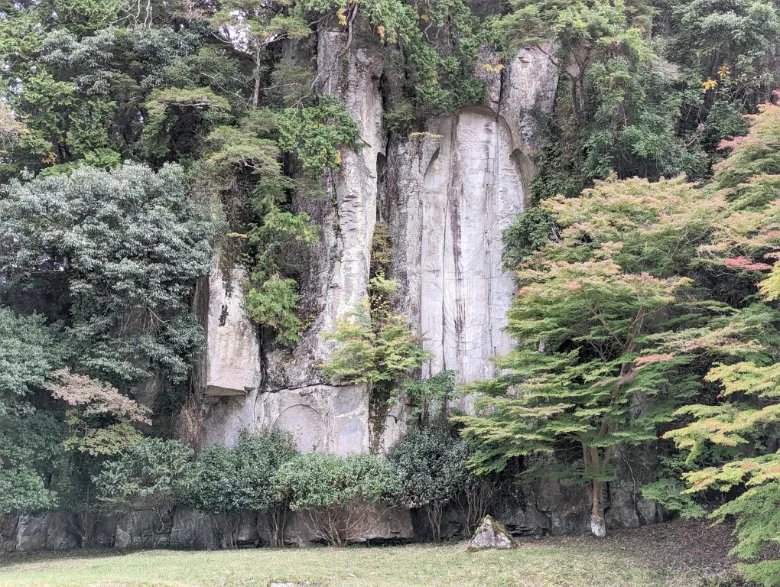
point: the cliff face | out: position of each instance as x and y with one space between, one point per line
445 194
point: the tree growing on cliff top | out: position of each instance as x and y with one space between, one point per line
608 317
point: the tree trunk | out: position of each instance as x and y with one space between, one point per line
256 92
598 524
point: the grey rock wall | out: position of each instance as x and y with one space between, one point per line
449 194
469 192
446 194
320 417
233 358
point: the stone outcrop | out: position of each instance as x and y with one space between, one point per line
228 376
449 194
381 525
468 192
232 364
491 534
446 195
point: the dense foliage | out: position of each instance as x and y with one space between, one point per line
431 474
643 307
337 495
141 142
376 345
244 479
128 244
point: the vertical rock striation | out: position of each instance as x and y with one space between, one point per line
470 192
450 193
446 194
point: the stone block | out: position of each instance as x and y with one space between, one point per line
50 531
8 523
193 529
233 351
144 528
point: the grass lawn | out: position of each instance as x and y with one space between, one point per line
647 559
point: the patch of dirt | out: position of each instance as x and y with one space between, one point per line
673 546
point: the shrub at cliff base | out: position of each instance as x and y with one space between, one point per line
336 495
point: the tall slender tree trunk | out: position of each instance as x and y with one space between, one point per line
593 465
598 524
256 92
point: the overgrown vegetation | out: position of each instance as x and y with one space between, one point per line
653 306
431 472
376 345
140 141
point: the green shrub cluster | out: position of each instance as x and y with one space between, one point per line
263 477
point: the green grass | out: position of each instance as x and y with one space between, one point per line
533 564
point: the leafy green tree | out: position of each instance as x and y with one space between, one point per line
31 459
28 356
740 427
210 486
131 245
100 420
725 42
334 493
252 26
245 479
425 395
146 472
316 133
258 460
22 492
618 91
30 449
593 370
376 346
273 231
720 50
430 466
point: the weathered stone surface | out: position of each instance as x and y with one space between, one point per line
380 525
144 528
226 417
491 534
8 523
394 424
626 508
230 371
338 271
233 355
471 190
530 85
449 193
320 417
31 533
389 525
453 191
566 506
50 531
520 516
194 530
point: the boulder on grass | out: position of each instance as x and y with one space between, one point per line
491 534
